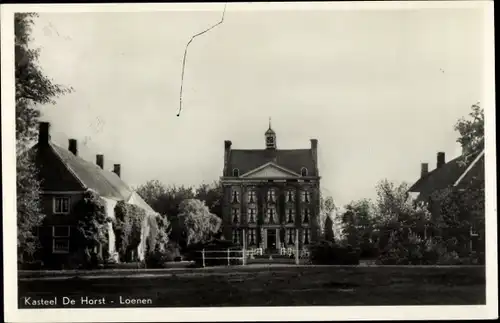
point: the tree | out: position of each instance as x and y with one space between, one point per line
326 211
165 199
359 224
197 223
212 196
32 88
471 131
29 211
329 236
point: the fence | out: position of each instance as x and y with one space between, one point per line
240 256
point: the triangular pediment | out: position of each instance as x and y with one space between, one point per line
270 170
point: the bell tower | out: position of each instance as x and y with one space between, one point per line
270 137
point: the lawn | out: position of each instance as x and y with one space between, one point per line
276 286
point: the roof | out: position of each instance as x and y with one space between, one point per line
442 177
246 160
90 176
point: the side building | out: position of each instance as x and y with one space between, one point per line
271 196
65 177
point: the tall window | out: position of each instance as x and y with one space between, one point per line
251 236
271 214
60 239
306 196
236 215
290 236
235 195
290 215
252 196
306 236
303 171
61 205
271 195
251 214
236 172
236 236
290 196
305 215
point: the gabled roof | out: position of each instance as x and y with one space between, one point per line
293 159
89 175
443 177
272 165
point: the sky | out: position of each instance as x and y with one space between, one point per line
380 89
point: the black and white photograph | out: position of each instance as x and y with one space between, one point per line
249 161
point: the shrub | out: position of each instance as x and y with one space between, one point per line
160 258
329 253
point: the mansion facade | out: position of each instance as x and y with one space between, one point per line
271 196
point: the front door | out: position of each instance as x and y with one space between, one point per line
271 239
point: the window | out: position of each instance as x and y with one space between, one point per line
306 196
236 215
305 215
60 239
252 196
235 196
290 196
251 215
271 212
271 195
236 236
251 236
290 215
236 172
306 237
291 236
303 171
61 205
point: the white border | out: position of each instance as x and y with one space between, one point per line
12 314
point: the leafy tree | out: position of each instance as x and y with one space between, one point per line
29 211
164 199
329 235
359 224
32 88
196 222
128 228
326 213
211 194
471 131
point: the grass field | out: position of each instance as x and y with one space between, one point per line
276 286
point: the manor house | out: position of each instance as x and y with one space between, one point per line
271 195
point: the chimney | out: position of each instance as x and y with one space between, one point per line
72 146
440 159
227 150
43 133
117 169
99 160
314 150
424 170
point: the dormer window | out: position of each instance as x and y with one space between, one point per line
236 172
303 171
